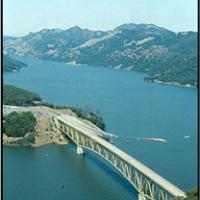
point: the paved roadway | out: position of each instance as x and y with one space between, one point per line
38 112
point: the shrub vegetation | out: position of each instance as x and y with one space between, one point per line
18 124
90 116
18 97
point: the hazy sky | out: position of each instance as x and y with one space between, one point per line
23 16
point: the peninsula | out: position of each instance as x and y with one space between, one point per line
27 122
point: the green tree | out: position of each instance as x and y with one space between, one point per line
18 124
18 97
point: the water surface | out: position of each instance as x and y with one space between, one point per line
130 107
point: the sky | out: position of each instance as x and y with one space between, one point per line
23 16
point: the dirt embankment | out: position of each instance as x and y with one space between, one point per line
44 133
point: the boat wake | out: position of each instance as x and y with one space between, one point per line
128 139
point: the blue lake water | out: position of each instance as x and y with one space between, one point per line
130 107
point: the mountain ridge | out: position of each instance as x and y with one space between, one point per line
162 54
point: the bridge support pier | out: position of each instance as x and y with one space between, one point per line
80 150
141 197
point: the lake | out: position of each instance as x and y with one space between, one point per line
131 109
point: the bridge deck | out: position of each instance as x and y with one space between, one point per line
93 133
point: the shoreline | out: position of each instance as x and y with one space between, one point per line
175 84
118 67
45 132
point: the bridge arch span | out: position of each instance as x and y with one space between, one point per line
148 184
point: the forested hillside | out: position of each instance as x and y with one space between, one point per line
162 54
10 65
18 97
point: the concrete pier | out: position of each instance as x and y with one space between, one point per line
80 150
141 197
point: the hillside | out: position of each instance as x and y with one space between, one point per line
10 65
26 121
49 43
162 54
18 97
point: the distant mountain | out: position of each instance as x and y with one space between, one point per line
10 65
49 43
8 37
162 54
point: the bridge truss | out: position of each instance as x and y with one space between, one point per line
135 172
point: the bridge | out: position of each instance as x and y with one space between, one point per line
148 184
